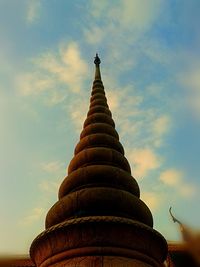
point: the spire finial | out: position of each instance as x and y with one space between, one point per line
97 60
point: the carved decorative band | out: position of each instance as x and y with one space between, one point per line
97 219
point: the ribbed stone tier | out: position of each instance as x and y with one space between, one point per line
99 219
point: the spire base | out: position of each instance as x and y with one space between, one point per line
77 242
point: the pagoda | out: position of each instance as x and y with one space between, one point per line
99 219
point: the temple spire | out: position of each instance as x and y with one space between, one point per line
97 62
99 219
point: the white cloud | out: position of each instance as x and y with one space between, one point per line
97 7
175 179
49 186
138 14
33 83
52 167
57 77
94 35
143 161
190 80
56 168
54 70
188 190
33 9
135 14
157 51
125 106
34 216
78 115
113 98
171 177
66 67
143 129
161 125
123 24
56 97
152 200
123 102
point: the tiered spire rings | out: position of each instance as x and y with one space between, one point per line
99 217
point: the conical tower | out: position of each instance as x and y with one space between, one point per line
99 219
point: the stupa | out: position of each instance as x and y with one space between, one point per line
99 219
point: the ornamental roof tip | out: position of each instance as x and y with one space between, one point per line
173 217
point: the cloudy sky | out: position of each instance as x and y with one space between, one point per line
151 72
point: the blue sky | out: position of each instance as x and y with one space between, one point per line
151 72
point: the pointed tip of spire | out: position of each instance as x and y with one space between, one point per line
97 60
